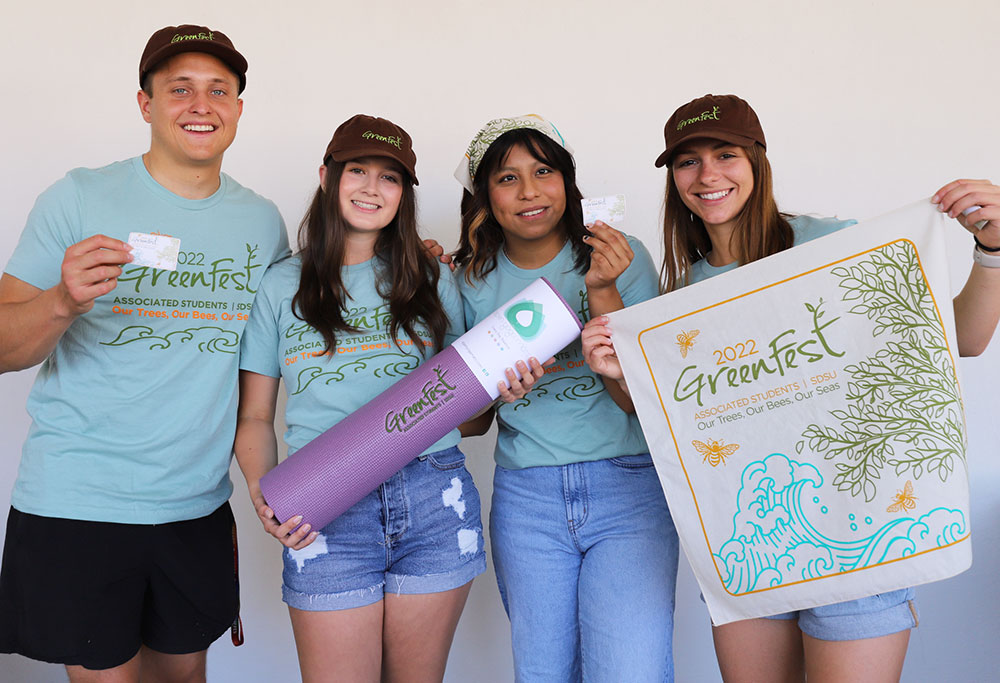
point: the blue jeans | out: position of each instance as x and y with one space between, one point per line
586 561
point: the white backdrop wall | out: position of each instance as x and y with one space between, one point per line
866 106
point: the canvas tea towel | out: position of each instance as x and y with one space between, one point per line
804 416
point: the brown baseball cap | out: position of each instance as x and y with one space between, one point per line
174 40
719 117
371 136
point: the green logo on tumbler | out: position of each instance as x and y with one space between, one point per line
526 318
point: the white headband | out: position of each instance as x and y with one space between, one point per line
489 133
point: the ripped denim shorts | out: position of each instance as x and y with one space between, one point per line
419 532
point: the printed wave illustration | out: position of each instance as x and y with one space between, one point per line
209 339
774 543
380 365
564 388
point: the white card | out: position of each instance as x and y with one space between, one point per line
155 251
609 209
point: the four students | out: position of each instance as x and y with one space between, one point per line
85 488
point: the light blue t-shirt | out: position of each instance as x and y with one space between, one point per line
134 412
569 415
806 228
324 388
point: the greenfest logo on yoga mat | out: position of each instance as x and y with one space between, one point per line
435 392
526 318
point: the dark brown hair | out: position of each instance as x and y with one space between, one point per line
482 237
761 230
407 275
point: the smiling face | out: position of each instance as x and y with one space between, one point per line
714 180
193 111
528 199
369 193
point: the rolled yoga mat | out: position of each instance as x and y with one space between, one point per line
342 465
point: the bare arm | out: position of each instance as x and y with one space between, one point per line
480 424
32 320
611 256
977 310
977 306
256 450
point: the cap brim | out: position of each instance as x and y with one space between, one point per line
725 136
341 155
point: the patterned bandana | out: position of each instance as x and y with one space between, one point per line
489 133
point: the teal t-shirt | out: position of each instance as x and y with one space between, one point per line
324 388
134 412
806 228
569 415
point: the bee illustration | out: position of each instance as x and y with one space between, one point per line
715 452
903 500
685 340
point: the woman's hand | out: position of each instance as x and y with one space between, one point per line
437 252
958 196
611 256
598 350
531 372
290 537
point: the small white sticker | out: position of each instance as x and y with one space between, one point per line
155 251
609 209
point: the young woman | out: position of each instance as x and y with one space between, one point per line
720 213
582 541
377 593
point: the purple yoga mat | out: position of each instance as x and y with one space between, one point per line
351 459
342 465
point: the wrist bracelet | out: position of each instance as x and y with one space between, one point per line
988 250
986 260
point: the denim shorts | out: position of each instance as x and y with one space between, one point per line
871 617
419 532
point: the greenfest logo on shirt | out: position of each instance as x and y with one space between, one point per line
526 318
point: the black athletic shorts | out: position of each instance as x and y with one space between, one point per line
91 593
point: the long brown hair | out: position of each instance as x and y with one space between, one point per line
761 230
407 275
482 237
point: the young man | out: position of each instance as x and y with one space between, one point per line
119 555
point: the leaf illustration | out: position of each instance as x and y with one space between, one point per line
904 393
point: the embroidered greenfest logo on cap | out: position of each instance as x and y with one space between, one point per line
705 116
526 318
394 140
193 36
